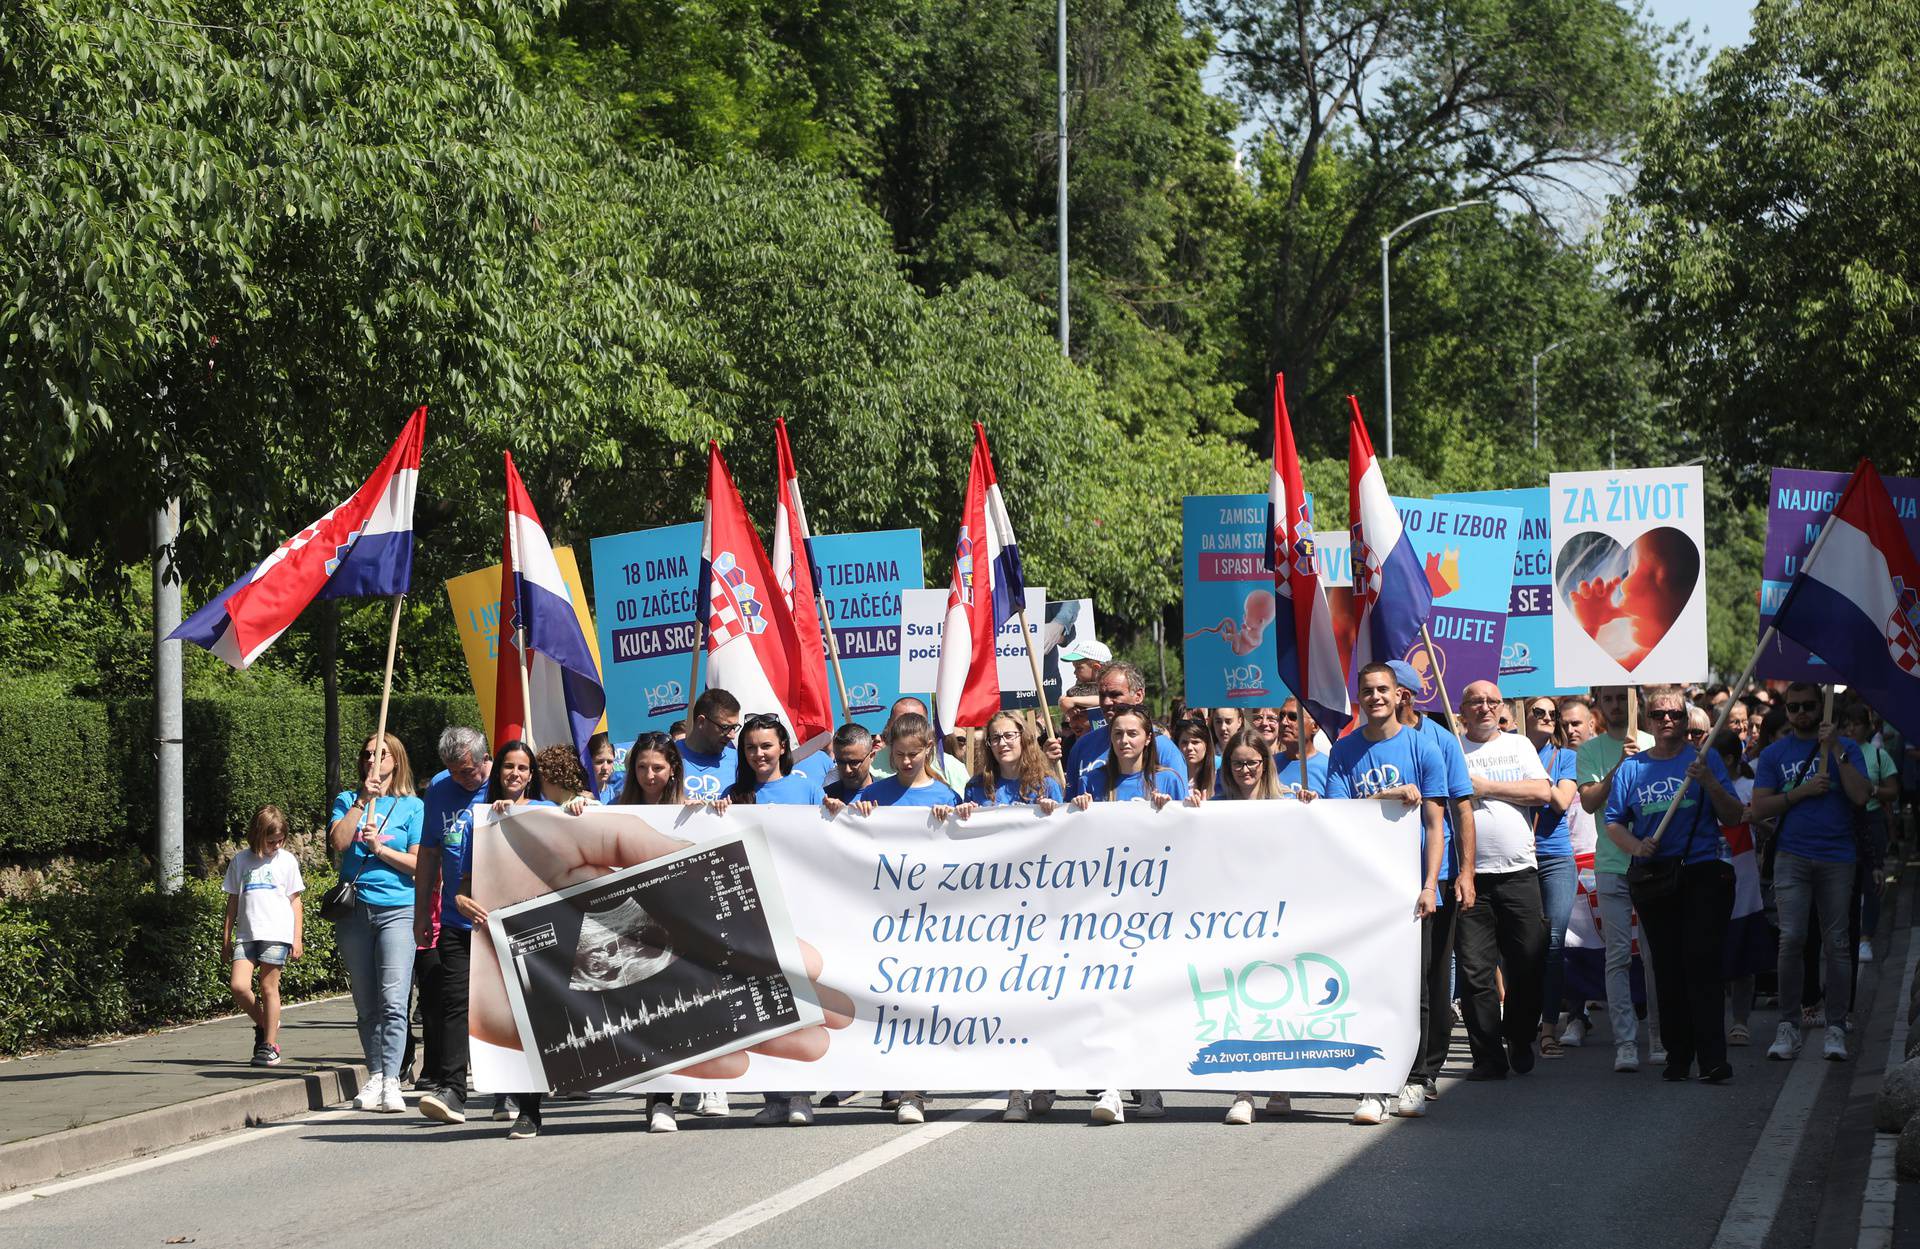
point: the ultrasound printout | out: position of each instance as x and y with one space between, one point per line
653 967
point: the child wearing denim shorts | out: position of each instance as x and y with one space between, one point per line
263 888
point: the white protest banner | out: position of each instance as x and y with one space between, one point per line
923 620
1629 577
1236 945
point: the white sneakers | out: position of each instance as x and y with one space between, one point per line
1372 1109
710 1106
1109 1108
1413 1101
1626 1056
660 1118
1016 1111
1786 1043
1656 1049
1574 1035
912 1109
1835 1050
392 1101
368 1098
1241 1112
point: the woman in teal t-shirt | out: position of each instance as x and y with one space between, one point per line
373 837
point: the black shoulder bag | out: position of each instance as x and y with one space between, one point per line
336 904
1654 879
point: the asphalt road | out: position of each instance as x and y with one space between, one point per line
1572 1154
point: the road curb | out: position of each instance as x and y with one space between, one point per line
43 1158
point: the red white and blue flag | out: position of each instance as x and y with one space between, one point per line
808 708
1303 627
1856 602
988 589
1391 596
751 638
361 549
564 696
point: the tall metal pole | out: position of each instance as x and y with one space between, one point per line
1060 64
1386 301
1386 334
168 719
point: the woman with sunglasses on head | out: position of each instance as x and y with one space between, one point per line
655 776
1553 855
915 783
1132 773
514 782
764 775
1010 769
1247 774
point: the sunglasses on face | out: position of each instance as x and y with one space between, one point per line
1666 713
1544 712
1795 708
1696 734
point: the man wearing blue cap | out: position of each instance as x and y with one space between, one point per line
1456 886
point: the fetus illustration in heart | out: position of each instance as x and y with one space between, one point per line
1627 598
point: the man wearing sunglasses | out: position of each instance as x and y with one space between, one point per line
1298 766
707 752
1794 784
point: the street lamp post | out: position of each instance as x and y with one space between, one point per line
1549 349
1060 64
1386 301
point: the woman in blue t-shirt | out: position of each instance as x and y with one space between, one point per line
1010 769
372 837
1131 773
916 780
763 768
1124 777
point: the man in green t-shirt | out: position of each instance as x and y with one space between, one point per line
1593 769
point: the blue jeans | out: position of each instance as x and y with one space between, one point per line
378 944
1558 884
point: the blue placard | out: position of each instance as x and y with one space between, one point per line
861 576
1466 550
1526 660
645 599
1227 618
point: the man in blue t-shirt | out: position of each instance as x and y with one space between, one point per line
442 978
708 762
852 762
1456 873
1391 762
1297 767
1120 685
1813 865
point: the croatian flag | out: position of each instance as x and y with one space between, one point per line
793 566
988 589
1391 597
1856 602
361 549
1303 627
751 638
562 681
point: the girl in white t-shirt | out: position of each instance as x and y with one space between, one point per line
264 925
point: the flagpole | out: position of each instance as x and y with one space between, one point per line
520 662
1033 661
1720 721
386 692
1440 678
833 653
703 593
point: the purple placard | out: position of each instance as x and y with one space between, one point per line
1798 503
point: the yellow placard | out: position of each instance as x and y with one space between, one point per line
475 597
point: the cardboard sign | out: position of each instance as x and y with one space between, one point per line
1526 658
924 624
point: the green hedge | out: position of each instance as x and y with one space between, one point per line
99 950
82 771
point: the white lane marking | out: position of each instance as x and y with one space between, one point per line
239 1136
759 1212
1756 1202
1882 1192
